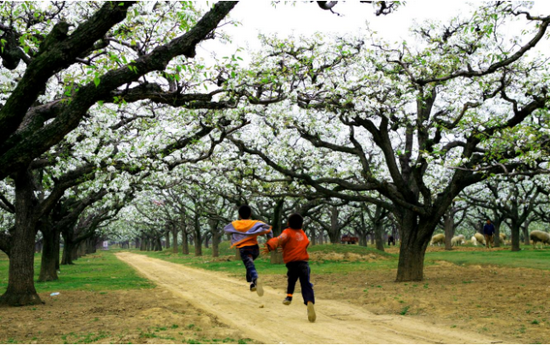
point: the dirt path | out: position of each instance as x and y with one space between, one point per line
266 319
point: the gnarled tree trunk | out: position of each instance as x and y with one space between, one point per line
50 254
21 290
277 228
174 240
184 243
449 229
515 229
378 235
414 241
198 235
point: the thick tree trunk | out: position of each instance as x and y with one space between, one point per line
515 229
216 236
312 236
184 243
362 232
21 290
449 230
198 236
81 250
142 244
89 246
411 262
363 239
174 241
525 230
158 244
74 252
414 241
68 249
277 224
50 255
335 230
378 235
216 239
277 221
198 247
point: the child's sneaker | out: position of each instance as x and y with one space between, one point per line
287 300
253 285
311 312
257 287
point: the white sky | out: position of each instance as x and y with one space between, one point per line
302 18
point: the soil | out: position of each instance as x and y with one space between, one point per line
149 316
455 304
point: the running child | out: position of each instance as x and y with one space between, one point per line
294 243
244 233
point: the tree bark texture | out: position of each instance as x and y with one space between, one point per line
184 243
21 290
198 235
414 242
449 229
174 240
50 255
515 229
378 235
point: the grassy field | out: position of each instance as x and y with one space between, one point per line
94 272
324 264
384 260
527 257
103 271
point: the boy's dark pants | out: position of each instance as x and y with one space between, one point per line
248 255
300 270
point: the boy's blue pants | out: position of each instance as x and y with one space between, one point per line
300 270
248 255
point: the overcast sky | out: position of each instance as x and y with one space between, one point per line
303 18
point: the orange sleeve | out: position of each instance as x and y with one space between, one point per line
278 241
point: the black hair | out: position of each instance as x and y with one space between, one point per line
295 221
245 212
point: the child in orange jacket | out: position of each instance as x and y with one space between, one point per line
294 243
244 235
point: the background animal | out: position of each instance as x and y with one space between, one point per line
503 238
537 236
478 239
438 239
457 240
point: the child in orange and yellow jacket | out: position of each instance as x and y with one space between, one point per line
244 235
294 243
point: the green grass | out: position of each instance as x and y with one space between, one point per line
93 272
527 257
103 271
206 261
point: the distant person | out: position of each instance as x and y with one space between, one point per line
244 235
391 240
294 243
488 233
